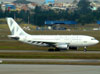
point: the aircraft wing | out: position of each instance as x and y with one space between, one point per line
52 44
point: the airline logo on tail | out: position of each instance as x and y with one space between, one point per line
14 28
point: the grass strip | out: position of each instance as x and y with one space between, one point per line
56 63
50 55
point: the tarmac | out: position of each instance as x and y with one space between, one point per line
53 60
12 51
48 69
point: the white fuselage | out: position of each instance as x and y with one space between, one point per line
57 41
70 40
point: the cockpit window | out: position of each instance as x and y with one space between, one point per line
93 39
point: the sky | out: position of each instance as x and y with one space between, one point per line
39 1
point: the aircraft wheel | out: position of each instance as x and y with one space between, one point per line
57 49
51 50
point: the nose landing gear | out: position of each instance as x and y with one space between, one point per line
85 49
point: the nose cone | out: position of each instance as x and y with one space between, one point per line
94 42
97 41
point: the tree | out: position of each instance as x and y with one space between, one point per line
75 2
84 11
84 6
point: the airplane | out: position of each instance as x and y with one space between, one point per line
55 42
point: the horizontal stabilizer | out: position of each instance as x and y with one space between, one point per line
13 37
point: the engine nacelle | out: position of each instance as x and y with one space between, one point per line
62 46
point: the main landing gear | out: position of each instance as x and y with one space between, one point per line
85 49
52 49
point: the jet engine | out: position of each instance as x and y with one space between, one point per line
62 46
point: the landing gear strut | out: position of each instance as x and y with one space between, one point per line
85 49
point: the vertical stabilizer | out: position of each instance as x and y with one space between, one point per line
15 28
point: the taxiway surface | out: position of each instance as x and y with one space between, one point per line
9 51
53 60
48 69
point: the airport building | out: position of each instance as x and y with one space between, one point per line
98 22
59 25
10 7
49 1
60 22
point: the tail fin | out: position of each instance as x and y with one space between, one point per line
15 28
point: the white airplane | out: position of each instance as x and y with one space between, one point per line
55 41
